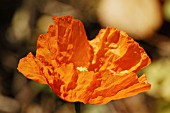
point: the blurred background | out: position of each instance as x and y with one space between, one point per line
22 21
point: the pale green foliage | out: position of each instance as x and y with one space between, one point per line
159 76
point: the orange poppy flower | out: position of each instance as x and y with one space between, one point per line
92 72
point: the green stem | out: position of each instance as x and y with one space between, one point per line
77 107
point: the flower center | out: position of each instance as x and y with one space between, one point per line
82 69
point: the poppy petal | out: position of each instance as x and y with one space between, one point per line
115 50
96 88
70 84
123 86
66 41
29 67
135 89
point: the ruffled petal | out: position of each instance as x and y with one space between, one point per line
115 50
118 87
29 67
95 88
70 84
66 42
141 86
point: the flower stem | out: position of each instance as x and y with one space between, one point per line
77 107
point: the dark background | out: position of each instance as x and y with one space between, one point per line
22 21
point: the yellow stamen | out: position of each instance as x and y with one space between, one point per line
82 69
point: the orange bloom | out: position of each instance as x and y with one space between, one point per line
92 72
